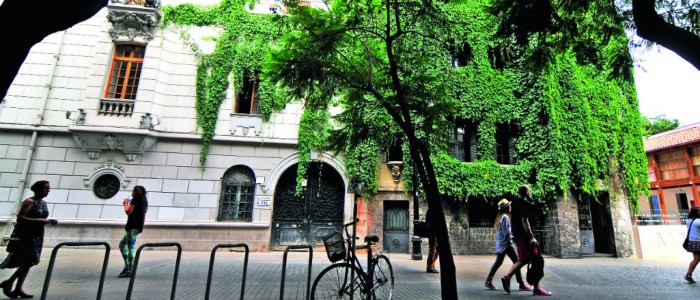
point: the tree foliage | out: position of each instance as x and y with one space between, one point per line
658 124
587 26
387 64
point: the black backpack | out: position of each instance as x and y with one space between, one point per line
535 270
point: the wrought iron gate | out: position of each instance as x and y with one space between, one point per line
585 226
305 219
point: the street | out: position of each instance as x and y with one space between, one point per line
77 271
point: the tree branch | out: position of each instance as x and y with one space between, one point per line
652 27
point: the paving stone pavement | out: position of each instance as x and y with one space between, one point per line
76 275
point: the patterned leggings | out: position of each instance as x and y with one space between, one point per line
126 246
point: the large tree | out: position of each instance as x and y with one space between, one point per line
388 62
658 124
583 25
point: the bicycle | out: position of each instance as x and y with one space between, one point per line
347 279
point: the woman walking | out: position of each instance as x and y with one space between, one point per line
693 241
135 208
27 239
504 246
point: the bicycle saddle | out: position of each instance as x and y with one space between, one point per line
371 239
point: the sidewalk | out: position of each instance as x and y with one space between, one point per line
77 271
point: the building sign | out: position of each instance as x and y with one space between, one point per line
263 200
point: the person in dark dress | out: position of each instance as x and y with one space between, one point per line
27 239
135 207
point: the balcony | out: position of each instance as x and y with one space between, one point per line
144 3
116 107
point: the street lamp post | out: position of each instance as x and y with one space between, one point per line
416 240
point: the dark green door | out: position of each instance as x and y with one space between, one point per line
396 237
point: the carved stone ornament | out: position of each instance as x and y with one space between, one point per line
395 167
108 167
132 23
112 142
131 144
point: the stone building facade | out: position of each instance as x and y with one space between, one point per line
62 122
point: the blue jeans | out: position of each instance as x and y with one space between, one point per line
510 251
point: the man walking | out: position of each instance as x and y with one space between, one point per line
432 250
525 241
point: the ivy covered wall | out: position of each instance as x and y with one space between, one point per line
577 123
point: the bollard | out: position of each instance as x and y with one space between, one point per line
211 266
45 290
136 264
284 268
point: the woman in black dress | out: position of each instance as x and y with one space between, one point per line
27 240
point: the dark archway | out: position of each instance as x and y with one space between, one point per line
305 219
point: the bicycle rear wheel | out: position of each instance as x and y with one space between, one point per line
382 279
337 282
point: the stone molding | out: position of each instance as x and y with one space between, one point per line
131 142
132 23
108 167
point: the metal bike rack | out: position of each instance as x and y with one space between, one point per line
284 267
211 266
45 290
136 264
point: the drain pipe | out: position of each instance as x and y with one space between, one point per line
32 144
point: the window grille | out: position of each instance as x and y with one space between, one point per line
237 194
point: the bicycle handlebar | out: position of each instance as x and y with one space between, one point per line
351 223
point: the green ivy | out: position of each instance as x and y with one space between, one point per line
242 48
578 122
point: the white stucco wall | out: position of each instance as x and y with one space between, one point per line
663 242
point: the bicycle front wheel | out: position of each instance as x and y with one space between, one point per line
338 281
382 279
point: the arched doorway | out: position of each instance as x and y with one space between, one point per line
305 219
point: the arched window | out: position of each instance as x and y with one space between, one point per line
237 194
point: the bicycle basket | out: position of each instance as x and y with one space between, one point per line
335 246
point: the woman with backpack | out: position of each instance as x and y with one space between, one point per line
504 246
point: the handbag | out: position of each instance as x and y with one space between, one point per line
685 243
422 229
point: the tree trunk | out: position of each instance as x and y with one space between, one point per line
421 156
652 27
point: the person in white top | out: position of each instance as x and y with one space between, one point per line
504 246
693 241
